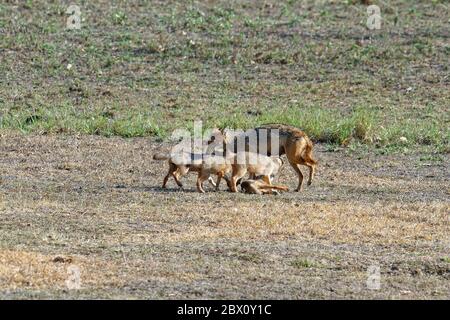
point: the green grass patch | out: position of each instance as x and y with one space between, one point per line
324 125
302 263
147 69
70 120
360 126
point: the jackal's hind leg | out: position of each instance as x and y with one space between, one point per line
176 175
219 177
312 171
300 176
267 180
202 176
234 180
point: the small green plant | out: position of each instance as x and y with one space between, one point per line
119 18
303 263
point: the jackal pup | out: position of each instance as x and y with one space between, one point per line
180 164
256 165
259 186
239 164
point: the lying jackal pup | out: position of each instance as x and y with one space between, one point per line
261 187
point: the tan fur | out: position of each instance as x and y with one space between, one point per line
179 166
161 156
261 166
260 187
212 164
182 162
298 149
292 141
239 165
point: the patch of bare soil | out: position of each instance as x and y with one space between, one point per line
96 203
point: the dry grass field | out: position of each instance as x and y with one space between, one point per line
95 202
83 111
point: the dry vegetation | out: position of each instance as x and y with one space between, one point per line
81 113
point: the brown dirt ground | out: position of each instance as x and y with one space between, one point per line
95 203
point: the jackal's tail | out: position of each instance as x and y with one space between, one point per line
161 156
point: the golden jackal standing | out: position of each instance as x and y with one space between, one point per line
288 140
298 149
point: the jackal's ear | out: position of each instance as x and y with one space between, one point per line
227 134
282 162
219 131
214 136
279 159
216 131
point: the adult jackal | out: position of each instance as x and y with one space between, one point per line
274 140
295 144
